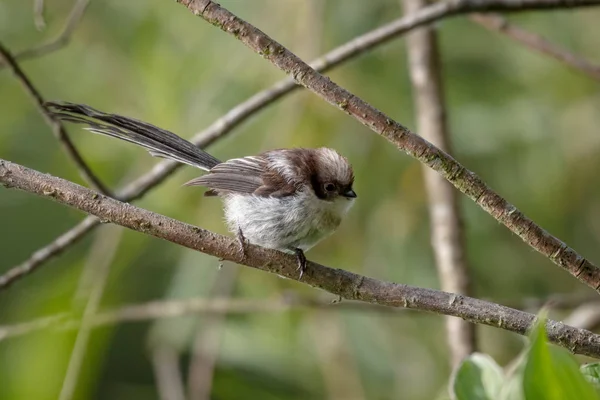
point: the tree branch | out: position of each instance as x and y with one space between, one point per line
38 15
447 237
159 309
537 43
208 339
167 374
61 40
55 125
463 179
586 316
47 252
337 281
101 258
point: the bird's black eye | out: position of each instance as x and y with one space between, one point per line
330 187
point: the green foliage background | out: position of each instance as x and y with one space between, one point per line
525 123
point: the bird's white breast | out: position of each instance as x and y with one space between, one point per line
285 223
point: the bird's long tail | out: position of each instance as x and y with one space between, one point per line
157 141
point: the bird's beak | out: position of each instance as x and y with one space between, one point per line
351 194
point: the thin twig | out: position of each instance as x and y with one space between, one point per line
586 316
160 309
45 253
38 15
340 282
207 342
464 180
61 40
537 43
55 125
555 301
101 257
340 371
447 236
167 373
175 308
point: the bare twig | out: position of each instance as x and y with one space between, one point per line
165 363
586 316
175 308
55 125
61 40
537 43
555 301
447 237
25 328
101 258
45 253
464 180
341 376
337 281
38 15
207 342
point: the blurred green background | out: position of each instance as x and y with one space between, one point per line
525 123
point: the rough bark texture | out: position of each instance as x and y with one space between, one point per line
337 281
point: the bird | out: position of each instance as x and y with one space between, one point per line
283 199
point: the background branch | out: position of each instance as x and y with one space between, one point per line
61 40
536 43
159 309
337 281
208 338
55 125
38 15
100 260
464 180
447 237
165 364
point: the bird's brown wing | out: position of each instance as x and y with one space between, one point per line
244 175
239 175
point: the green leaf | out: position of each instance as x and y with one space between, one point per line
591 372
478 377
551 373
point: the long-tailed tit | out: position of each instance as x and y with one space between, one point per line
286 199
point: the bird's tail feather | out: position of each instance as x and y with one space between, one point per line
159 142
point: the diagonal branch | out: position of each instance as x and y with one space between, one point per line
47 252
464 180
337 281
61 40
447 236
55 125
537 43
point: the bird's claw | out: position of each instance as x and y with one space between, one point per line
301 258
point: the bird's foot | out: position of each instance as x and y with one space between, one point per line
301 258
